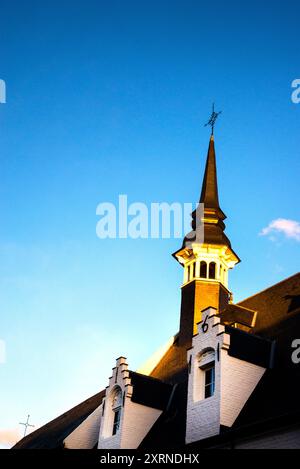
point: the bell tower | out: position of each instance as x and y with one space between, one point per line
206 256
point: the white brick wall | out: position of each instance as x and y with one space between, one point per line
203 419
203 416
238 381
138 420
85 436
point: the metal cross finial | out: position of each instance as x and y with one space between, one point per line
212 120
26 425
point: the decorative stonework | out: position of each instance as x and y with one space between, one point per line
198 260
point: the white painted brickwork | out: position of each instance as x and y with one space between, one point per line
235 381
136 420
238 381
203 416
85 436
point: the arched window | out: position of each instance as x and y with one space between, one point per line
203 269
212 270
206 356
113 412
116 408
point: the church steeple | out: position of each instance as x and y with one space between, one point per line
208 219
209 200
209 194
206 255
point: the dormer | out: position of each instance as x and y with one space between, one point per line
225 366
132 404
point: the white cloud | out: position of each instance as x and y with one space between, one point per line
9 437
290 228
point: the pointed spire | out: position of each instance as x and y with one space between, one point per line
213 214
209 194
208 224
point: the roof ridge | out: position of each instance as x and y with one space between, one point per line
242 307
268 288
149 377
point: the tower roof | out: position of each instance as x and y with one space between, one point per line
209 194
212 216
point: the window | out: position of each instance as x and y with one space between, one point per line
212 270
209 382
203 269
204 381
191 272
116 408
117 418
113 412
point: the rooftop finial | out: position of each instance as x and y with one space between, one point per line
212 120
26 425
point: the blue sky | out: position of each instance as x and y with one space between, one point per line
109 98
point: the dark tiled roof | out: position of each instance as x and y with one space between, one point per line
172 367
213 234
238 314
275 305
53 433
277 394
209 193
169 429
150 391
250 348
278 319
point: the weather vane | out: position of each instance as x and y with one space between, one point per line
212 120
